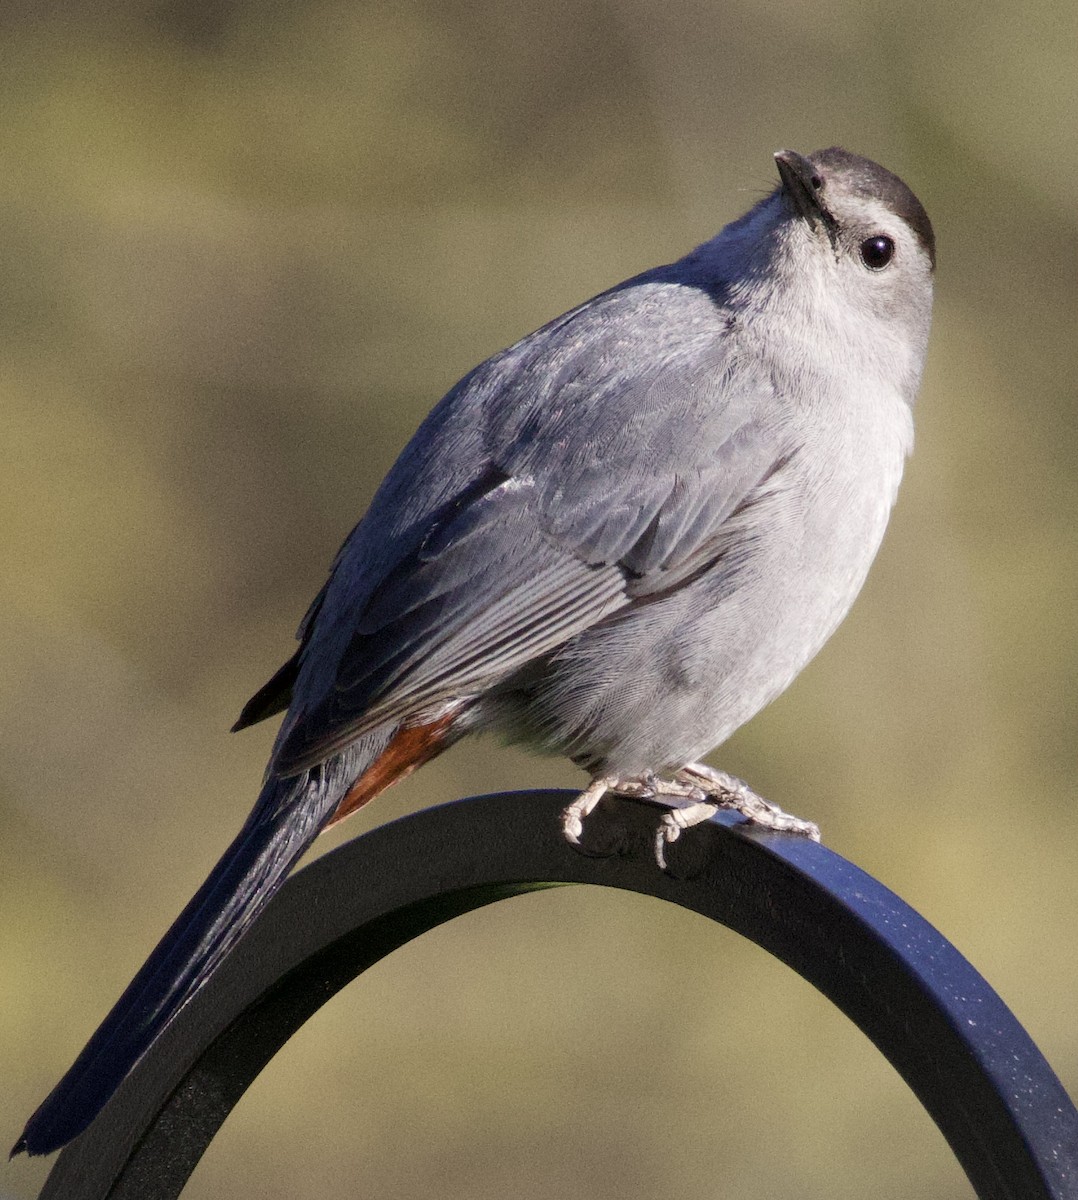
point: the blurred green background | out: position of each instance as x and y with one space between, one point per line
244 248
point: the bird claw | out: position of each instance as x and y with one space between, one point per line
644 787
673 822
572 819
706 791
729 792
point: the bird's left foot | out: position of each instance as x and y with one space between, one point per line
720 790
706 791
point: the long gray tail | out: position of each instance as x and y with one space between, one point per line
285 821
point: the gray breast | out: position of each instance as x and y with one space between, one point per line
663 682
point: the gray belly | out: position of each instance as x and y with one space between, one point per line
660 684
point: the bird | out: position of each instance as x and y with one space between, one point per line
616 540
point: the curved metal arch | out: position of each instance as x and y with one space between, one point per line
971 1064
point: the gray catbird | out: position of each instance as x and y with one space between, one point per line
616 540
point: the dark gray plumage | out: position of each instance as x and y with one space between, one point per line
616 540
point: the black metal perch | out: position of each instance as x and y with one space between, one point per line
973 1067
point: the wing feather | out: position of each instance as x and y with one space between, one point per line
593 465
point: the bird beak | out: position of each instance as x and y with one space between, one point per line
803 185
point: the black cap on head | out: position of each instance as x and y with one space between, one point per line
864 177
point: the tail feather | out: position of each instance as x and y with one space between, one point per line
286 819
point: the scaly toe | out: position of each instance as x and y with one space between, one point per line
729 792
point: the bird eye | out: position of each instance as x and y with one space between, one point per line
877 252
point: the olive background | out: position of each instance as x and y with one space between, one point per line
243 249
